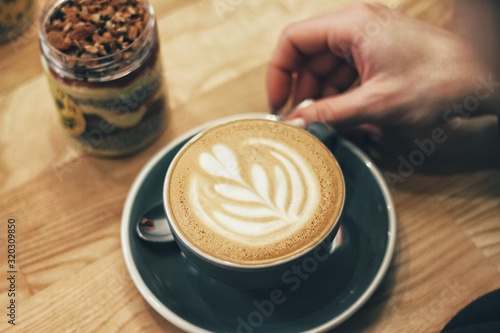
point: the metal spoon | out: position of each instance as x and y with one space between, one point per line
153 226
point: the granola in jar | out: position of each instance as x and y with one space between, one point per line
103 64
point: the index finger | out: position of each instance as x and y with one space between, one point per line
297 43
333 32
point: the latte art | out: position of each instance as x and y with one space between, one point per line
269 203
252 192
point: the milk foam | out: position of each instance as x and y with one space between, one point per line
273 201
254 191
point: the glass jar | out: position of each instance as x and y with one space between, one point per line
102 60
15 17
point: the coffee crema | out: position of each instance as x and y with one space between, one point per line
254 191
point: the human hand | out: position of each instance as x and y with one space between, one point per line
409 72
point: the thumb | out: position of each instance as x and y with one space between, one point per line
342 110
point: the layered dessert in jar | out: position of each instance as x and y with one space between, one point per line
15 17
103 64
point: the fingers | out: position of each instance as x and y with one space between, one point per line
314 48
279 86
342 110
307 86
343 79
301 42
321 71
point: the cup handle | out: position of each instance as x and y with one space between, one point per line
325 133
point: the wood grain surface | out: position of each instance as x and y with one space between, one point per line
71 276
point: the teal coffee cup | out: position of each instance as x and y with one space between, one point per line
254 202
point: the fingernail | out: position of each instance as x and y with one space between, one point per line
297 122
304 104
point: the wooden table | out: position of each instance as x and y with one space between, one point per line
71 276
